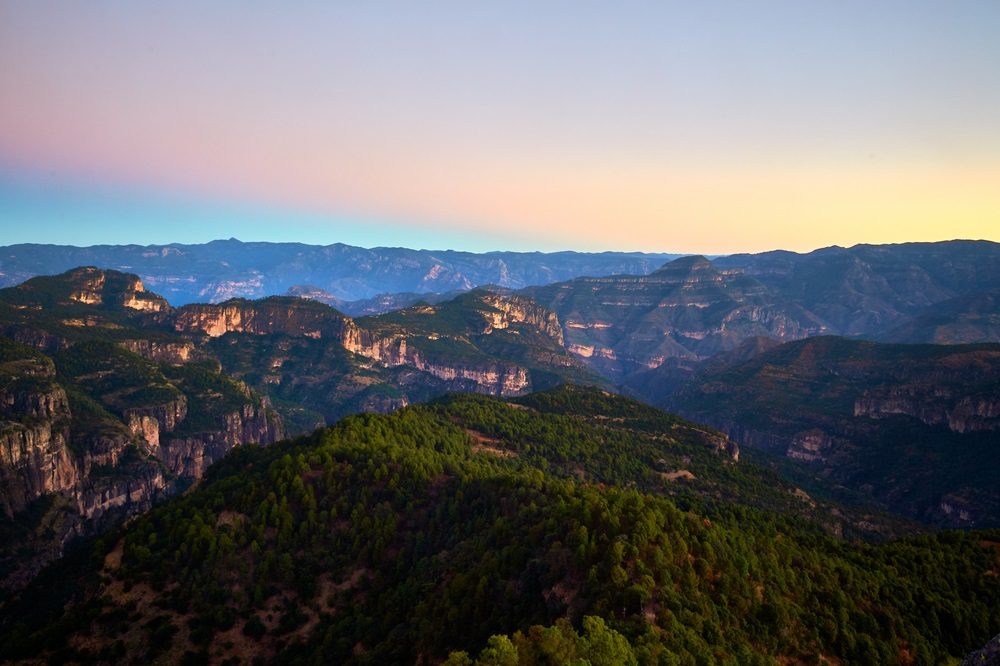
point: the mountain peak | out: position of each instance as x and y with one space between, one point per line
685 265
91 286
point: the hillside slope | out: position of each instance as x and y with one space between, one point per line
399 539
915 426
110 399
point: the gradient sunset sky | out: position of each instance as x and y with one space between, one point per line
710 127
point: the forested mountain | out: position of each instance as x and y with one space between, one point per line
538 528
224 269
98 416
558 524
319 365
915 426
111 399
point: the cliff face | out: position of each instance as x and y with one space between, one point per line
105 473
148 424
510 310
407 338
34 435
913 426
36 457
104 499
112 431
34 460
933 405
454 341
491 377
93 286
163 351
190 456
687 309
290 316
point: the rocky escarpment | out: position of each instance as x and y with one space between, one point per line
33 337
104 475
687 309
148 424
933 405
94 286
290 316
104 499
34 435
912 426
165 351
414 337
491 377
34 460
509 310
191 455
409 343
79 457
87 285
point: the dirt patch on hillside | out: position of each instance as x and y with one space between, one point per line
483 443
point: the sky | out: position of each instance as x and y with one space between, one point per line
691 127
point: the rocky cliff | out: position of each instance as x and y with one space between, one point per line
87 285
190 456
34 433
165 351
386 340
912 426
933 405
290 316
440 340
866 289
687 309
488 376
102 468
96 422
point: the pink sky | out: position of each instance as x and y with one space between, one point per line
709 127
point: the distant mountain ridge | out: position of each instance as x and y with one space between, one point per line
865 289
687 308
223 269
692 308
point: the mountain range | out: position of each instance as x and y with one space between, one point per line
112 399
847 394
691 308
224 269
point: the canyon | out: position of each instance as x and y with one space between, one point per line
112 399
